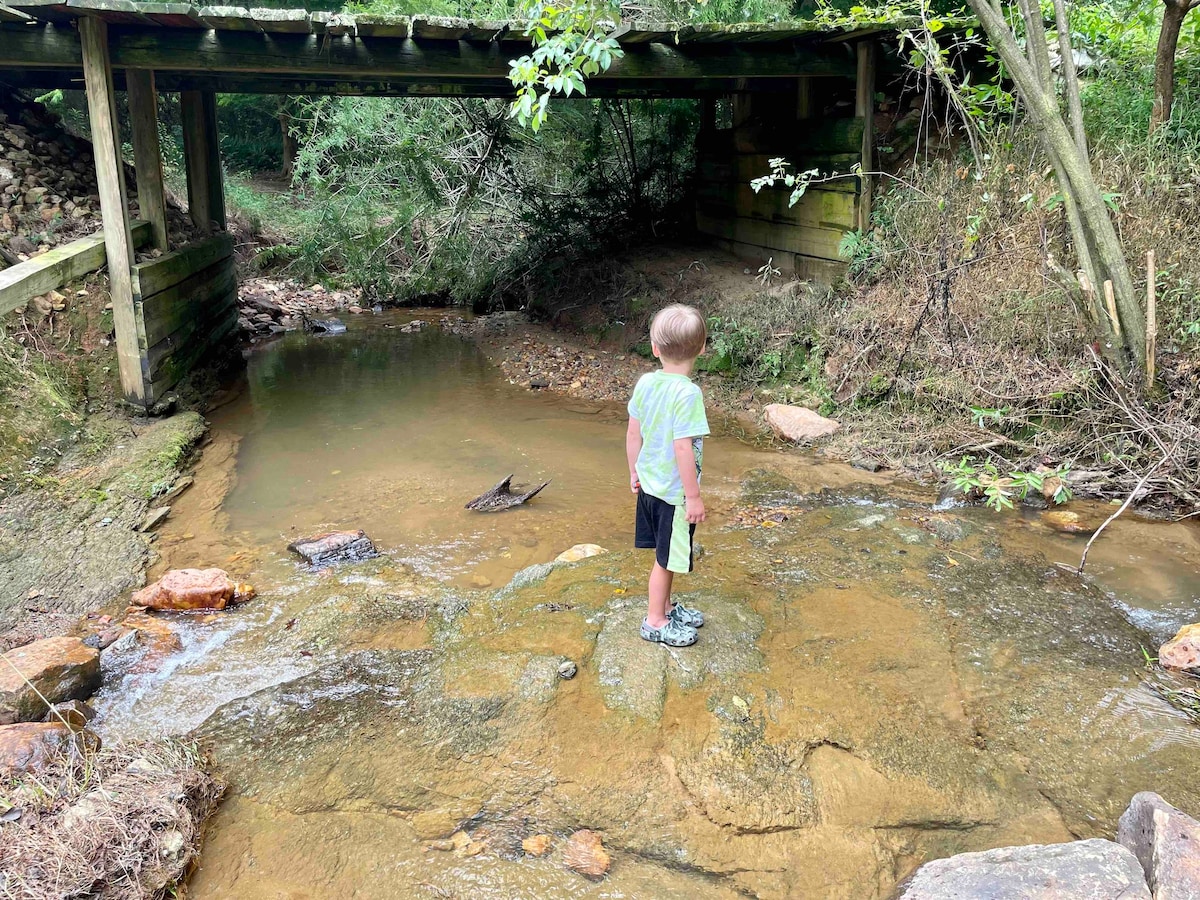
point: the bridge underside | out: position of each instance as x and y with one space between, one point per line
793 87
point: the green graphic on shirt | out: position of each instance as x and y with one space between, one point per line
667 407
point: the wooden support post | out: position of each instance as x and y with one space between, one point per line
206 189
708 115
1151 316
804 99
110 181
864 108
147 155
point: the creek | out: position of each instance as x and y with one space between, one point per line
880 682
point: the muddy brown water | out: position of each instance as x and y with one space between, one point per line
879 682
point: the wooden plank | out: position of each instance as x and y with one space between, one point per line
864 108
55 11
7 14
226 18
173 15
110 181
816 209
115 12
819 242
191 52
202 154
171 268
147 155
62 265
486 31
744 167
170 310
289 21
439 28
383 26
175 366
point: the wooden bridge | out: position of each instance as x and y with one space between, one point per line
798 90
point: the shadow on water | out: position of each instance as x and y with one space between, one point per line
878 683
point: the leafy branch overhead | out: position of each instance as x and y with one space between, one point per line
571 42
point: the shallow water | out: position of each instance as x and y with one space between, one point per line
878 683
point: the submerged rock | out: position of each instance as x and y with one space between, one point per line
57 669
586 855
1069 522
193 589
578 552
75 714
1183 650
537 845
335 547
29 746
798 424
1167 844
1082 870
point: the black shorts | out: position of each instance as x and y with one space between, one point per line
664 528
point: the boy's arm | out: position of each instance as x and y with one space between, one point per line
685 458
633 446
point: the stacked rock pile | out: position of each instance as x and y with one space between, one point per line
48 193
268 306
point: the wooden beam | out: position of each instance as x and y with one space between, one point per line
110 181
157 275
147 154
206 189
804 99
188 52
54 268
864 108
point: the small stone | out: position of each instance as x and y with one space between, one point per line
1066 522
798 424
1183 650
75 714
586 855
537 845
481 581
170 843
567 669
154 518
538 384
867 465
578 552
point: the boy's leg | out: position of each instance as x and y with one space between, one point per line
660 596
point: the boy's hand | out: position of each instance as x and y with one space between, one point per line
634 484
694 507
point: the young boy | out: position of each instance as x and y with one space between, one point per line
664 444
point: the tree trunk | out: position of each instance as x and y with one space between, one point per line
1174 12
290 148
1092 229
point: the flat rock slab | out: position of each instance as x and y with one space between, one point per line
58 668
334 547
1081 870
633 672
1167 844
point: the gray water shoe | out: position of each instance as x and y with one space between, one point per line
685 615
673 634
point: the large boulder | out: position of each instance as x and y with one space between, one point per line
1183 650
193 589
1082 870
29 746
334 547
798 424
1167 844
57 668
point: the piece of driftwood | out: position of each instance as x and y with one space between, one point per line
504 495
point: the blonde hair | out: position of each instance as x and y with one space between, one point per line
678 332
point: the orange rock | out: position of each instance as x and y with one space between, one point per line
57 668
1068 522
29 746
1183 650
537 845
193 589
156 636
586 855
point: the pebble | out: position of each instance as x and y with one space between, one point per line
567 669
